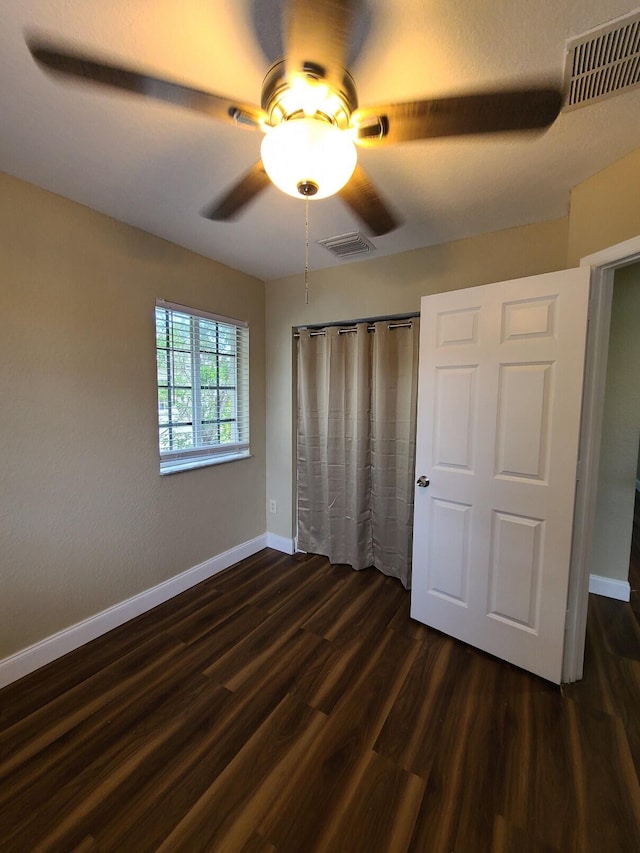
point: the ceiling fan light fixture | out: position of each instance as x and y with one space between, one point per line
309 96
306 152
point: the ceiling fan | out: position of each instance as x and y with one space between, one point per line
310 115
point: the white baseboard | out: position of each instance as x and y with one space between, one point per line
28 660
281 543
609 587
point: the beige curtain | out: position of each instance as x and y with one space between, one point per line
356 445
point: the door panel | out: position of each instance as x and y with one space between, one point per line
455 416
498 422
449 550
514 573
524 398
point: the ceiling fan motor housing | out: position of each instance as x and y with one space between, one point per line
280 103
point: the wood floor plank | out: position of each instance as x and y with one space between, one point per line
223 817
611 681
32 692
406 737
326 683
351 647
607 789
287 585
403 622
236 666
538 793
289 705
149 683
193 625
155 810
489 743
99 792
377 815
350 599
436 825
335 764
87 845
323 685
360 624
253 591
34 733
619 627
257 844
508 838
625 681
100 736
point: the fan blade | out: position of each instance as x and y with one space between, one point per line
317 38
489 112
231 205
82 67
365 201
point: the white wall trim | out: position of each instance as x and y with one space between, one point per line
619 255
621 590
281 543
28 660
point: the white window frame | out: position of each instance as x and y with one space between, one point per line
202 454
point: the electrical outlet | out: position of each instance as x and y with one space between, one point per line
273 507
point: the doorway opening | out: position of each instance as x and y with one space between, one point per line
615 499
604 266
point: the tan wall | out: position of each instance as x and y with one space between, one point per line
391 285
620 429
605 209
85 519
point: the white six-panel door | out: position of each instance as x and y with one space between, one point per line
500 389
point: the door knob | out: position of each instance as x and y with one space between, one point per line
423 482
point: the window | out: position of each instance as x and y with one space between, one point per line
203 387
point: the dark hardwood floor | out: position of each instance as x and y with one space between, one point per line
290 705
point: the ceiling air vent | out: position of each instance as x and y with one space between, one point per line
603 62
348 245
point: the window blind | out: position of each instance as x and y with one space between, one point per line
203 387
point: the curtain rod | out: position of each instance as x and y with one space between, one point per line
347 329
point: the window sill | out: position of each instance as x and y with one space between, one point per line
177 465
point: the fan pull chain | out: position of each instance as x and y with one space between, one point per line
306 251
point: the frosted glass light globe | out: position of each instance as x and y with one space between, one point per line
306 151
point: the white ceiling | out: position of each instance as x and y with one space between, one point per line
156 166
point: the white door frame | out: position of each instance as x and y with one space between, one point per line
603 266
